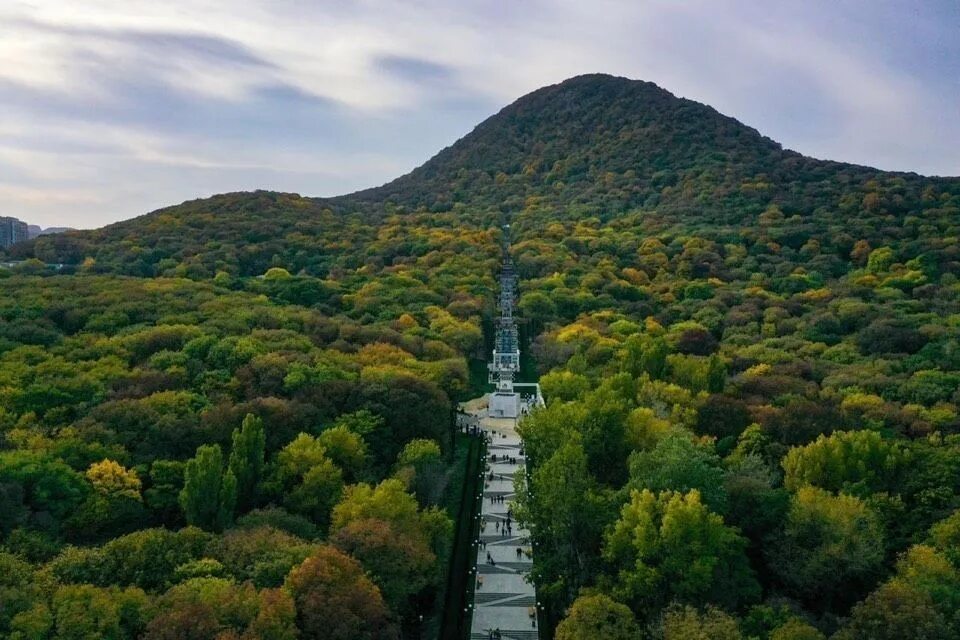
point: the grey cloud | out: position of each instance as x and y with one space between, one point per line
414 69
155 42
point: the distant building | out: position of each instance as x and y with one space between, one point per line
12 231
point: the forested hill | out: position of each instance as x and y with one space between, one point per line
751 361
593 146
594 140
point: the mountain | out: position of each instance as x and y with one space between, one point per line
594 139
604 143
36 230
592 146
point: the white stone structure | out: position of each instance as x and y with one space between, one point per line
505 401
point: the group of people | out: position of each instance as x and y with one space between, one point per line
467 422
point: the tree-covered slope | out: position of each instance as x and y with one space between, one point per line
593 140
591 146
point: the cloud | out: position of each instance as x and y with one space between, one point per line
146 103
414 69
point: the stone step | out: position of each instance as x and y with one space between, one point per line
508 634
482 597
525 602
504 567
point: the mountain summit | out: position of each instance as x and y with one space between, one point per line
587 137
603 145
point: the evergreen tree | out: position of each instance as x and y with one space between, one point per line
654 358
246 460
716 374
227 500
208 496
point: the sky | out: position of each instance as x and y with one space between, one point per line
112 108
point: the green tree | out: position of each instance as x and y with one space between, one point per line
687 623
880 260
603 431
420 461
945 536
115 505
44 485
598 616
672 547
677 463
346 448
831 548
227 501
755 502
419 453
537 307
654 358
295 460
246 459
260 554
796 629
389 502
147 558
317 493
203 607
716 374
561 511
277 273
564 385
35 623
19 589
162 496
893 612
209 494
931 574
85 612
858 462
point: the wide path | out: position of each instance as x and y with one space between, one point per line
503 599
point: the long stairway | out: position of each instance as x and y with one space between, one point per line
503 600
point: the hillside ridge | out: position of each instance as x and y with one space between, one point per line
592 146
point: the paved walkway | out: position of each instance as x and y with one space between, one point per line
503 598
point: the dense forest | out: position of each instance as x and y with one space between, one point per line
231 418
